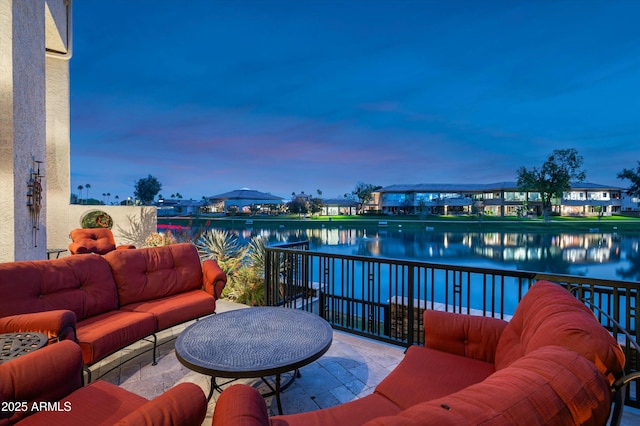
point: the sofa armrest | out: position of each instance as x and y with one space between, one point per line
125 247
240 405
213 278
48 374
183 404
466 335
56 325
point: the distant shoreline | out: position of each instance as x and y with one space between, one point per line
609 224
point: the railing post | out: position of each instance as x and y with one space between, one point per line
268 279
410 306
457 292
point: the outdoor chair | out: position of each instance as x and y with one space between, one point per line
94 240
45 387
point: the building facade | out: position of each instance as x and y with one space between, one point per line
35 47
498 199
339 206
244 201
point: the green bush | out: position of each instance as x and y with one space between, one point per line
247 287
244 266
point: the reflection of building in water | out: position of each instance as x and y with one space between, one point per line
529 251
335 236
583 248
589 248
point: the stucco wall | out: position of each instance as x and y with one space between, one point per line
131 224
22 136
6 131
58 148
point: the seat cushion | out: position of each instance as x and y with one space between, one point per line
173 310
549 315
104 334
155 272
99 403
426 374
355 412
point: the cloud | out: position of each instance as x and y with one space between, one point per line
290 96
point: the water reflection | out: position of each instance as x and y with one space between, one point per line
601 255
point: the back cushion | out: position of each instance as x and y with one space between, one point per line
549 386
82 284
549 315
152 273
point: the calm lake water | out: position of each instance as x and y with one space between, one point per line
597 255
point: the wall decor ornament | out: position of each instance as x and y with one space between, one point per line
34 199
96 219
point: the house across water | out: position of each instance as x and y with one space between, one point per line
498 199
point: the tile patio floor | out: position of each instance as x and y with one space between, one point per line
351 368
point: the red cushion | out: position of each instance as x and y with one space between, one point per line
155 272
100 403
91 240
251 411
213 278
183 404
82 284
549 315
355 412
104 334
466 335
426 374
552 385
174 310
56 325
47 374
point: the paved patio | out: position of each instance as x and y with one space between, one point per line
351 368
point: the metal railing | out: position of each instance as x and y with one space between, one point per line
384 299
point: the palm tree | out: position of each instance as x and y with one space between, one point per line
80 188
108 195
87 186
117 198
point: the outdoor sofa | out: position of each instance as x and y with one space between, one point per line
45 387
552 363
105 303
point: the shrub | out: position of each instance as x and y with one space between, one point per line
247 287
157 239
244 266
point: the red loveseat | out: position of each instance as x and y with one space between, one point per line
553 363
105 303
45 388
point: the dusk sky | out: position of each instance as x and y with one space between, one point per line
282 96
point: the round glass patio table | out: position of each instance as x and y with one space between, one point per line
254 342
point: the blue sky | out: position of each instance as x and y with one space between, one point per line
284 96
